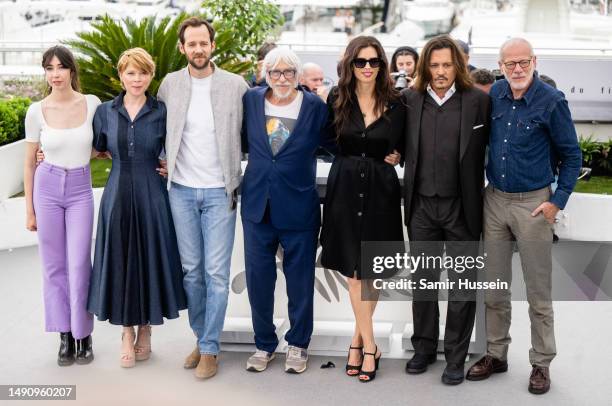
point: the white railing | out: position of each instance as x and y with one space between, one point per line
23 52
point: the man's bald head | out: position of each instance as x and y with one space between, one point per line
312 76
513 43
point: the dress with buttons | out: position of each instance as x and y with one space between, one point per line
363 194
137 276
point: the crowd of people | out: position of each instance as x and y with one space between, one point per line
167 218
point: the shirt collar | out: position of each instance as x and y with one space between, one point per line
449 93
151 101
529 94
533 88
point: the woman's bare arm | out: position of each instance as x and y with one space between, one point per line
28 183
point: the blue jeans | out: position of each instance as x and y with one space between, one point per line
205 227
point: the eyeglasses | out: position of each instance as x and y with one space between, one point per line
288 74
523 64
360 63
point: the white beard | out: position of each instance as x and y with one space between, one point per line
516 86
280 95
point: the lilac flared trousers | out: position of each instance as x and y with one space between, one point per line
63 203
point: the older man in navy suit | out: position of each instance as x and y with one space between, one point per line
283 127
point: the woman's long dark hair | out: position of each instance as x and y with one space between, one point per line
384 91
67 60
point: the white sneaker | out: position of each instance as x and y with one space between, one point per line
259 361
297 360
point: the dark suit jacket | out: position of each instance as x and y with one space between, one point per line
286 180
474 137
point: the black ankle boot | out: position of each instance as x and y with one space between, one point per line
65 355
84 351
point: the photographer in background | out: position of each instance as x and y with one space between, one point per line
403 66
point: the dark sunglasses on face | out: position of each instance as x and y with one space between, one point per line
360 63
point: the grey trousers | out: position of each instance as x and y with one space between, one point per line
507 216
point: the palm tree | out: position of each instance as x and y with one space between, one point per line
240 29
98 51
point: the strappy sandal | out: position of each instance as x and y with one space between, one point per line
367 376
353 370
143 352
128 359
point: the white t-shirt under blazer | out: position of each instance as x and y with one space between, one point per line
197 162
66 147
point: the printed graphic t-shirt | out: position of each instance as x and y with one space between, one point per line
280 121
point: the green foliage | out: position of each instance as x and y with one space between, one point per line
100 169
99 50
241 27
604 159
588 148
244 24
597 184
596 155
12 117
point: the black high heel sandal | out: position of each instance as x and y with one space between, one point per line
353 370
370 374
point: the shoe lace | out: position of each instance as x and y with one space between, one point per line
538 373
261 354
295 352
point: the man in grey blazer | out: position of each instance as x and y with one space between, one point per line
204 120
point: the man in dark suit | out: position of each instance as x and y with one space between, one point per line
283 127
447 131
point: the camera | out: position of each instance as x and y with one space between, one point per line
402 80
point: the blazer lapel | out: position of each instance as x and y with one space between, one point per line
184 87
468 116
216 94
416 110
260 117
181 111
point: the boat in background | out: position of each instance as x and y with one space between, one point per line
433 16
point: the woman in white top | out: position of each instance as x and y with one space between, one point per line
59 201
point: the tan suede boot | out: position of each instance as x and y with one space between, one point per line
192 359
207 367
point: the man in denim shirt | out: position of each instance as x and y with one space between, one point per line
530 121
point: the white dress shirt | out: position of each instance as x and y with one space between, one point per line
449 93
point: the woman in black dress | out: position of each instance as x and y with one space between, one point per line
362 202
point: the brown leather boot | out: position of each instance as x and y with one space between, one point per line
192 359
207 367
539 381
485 367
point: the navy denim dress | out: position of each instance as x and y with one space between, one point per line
137 277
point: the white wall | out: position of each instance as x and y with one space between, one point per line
13 233
11 169
587 217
